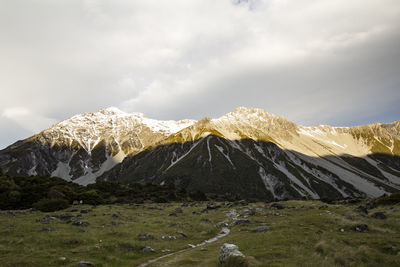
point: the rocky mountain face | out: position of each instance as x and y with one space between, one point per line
248 152
85 146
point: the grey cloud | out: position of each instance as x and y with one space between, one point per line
359 85
331 62
11 132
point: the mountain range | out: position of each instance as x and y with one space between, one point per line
248 153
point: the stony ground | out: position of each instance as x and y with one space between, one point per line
303 233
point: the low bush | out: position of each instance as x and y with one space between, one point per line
389 200
49 205
91 197
320 247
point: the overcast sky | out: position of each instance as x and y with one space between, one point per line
312 61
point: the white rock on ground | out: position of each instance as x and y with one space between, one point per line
228 250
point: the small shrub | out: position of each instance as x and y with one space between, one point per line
129 247
320 247
66 191
390 200
6 185
49 205
198 196
14 197
139 201
91 197
55 194
343 257
160 199
363 253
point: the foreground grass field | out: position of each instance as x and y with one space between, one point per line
305 233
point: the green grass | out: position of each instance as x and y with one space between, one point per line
297 237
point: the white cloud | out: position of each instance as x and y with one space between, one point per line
27 120
15 112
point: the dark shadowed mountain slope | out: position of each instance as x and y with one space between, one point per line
252 169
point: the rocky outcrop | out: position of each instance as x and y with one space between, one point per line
229 250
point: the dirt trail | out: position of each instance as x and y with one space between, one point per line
231 216
224 232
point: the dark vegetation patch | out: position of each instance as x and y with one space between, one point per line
389 200
52 193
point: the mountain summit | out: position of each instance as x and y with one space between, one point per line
247 152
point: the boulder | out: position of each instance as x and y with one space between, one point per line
362 209
213 206
371 205
85 211
249 212
260 229
278 206
182 234
178 210
85 264
353 201
241 221
46 219
168 237
148 249
145 236
229 250
243 202
80 223
64 217
361 228
379 215
221 224
368 206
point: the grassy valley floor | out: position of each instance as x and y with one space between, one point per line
305 233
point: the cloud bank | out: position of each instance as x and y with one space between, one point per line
331 62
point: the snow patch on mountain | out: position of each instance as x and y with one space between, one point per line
269 181
221 149
281 166
389 176
167 126
363 185
63 170
90 177
184 155
316 173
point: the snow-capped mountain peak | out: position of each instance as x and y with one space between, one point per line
247 143
112 110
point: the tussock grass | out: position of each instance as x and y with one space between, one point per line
302 236
320 247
